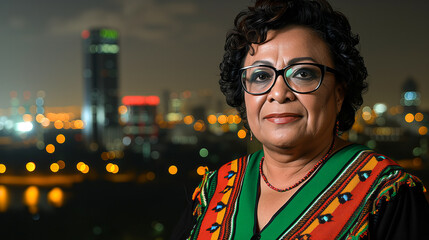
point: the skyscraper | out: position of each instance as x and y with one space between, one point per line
100 110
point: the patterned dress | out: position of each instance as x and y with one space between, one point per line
355 194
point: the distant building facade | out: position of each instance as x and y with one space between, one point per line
100 109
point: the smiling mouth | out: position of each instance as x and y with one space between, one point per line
283 118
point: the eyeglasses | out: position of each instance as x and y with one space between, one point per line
300 77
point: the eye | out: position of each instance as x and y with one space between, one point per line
260 76
305 74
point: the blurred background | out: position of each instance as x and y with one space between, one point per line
110 110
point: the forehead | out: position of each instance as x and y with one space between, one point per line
282 46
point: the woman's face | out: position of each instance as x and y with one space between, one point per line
282 118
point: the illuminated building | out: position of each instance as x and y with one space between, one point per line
100 86
138 117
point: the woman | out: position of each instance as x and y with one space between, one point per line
292 70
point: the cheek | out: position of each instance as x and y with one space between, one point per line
253 108
319 110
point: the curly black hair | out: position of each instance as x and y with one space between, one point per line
251 27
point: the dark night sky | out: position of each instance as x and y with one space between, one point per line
178 45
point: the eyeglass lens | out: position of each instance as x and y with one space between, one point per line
301 78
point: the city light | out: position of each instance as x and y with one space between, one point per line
222 119
241 134
150 176
31 198
27 118
39 118
24 127
201 170
418 117
58 124
109 34
105 156
380 108
56 197
82 167
172 170
409 117
61 164
237 119
60 138
140 100
78 124
188 120
423 130
54 167
50 148
112 168
212 119
204 152
45 122
366 116
85 34
122 109
4 198
199 126
30 166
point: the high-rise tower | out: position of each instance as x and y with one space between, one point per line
100 110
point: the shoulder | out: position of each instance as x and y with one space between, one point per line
227 175
399 208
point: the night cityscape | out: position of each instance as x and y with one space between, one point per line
121 164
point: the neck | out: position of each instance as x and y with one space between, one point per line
289 166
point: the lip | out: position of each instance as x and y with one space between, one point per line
282 118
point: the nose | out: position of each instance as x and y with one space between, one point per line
280 92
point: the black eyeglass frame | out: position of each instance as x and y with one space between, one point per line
281 72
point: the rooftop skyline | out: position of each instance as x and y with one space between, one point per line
178 45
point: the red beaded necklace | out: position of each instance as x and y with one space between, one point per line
302 179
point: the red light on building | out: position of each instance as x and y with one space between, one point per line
140 100
85 34
152 100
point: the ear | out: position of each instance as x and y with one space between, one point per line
339 96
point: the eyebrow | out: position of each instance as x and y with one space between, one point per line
292 61
300 59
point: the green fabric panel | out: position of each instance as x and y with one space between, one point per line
245 219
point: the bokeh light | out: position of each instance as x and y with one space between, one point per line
409 117
30 166
418 117
27 118
50 148
201 170
423 130
188 120
172 170
2 168
4 198
122 109
241 134
61 138
212 119
56 197
54 167
150 176
31 198
61 164
222 119
199 126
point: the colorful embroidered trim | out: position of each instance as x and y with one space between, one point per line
221 205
